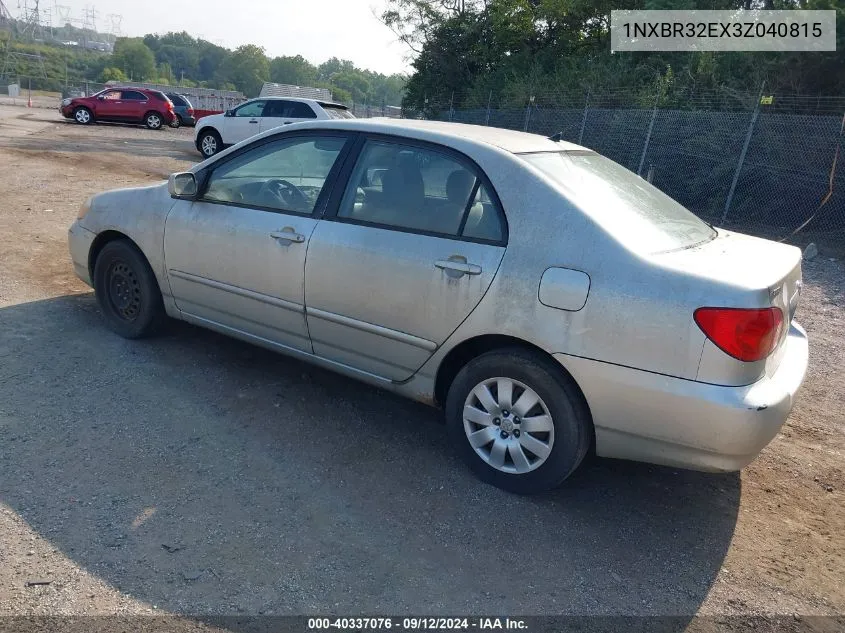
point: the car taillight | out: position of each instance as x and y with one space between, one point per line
745 334
190 112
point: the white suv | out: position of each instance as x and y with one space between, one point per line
218 131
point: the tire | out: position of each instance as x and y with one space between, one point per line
177 122
127 291
83 116
209 143
563 445
153 120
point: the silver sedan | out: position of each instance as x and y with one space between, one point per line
550 301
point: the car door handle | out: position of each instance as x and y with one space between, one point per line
253 121
461 267
288 234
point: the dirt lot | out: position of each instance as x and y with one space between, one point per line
193 474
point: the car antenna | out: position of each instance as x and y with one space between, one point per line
557 137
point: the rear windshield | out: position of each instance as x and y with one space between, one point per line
177 100
631 209
159 95
337 112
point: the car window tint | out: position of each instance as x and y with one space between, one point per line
297 110
177 100
286 175
133 95
252 109
408 187
484 221
274 108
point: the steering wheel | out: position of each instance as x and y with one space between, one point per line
288 194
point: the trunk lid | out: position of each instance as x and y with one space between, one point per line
745 272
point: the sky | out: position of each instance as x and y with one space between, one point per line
315 29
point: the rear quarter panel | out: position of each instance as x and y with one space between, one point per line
637 313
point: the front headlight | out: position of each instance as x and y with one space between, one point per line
66 102
85 208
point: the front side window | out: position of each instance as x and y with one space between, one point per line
407 187
631 209
112 95
251 109
283 175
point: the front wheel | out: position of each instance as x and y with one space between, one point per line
153 120
83 116
127 290
518 421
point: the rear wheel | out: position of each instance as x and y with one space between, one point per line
209 143
83 116
518 421
127 290
177 121
153 120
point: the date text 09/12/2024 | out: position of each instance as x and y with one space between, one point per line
417 623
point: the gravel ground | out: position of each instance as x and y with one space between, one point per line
194 474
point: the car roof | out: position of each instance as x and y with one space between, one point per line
442 132
320 102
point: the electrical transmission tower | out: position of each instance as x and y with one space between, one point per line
29 30
115 22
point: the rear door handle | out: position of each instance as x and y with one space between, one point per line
461 267
253 121
289 235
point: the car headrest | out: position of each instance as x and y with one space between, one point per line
403 184
459 185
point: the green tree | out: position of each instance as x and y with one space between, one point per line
112 74
296 71
134 58
247 69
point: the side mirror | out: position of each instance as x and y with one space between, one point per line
229 113
101 97
182 186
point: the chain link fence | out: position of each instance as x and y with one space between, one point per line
756 162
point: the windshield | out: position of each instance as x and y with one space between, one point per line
634 211
336 112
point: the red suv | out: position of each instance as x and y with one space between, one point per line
129 105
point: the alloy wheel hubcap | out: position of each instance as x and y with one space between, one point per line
209 145
82 116
124 291
153 121
508 425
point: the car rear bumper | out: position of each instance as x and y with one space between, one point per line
649 417
79 243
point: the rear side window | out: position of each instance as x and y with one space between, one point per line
631 209
417 189
297 110
133 95
336 112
